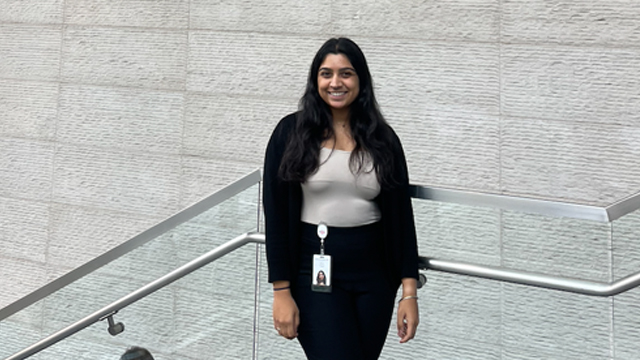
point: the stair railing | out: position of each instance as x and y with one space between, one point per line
505 202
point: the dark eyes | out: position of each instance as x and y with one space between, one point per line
343 74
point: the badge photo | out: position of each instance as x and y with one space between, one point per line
321 275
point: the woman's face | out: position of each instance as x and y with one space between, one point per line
338 83
321 276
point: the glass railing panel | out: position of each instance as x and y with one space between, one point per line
148 323
457 312
454 231
137 268
21 329
626 308
215 309
207 314
540 324
557 246
577 326
479 312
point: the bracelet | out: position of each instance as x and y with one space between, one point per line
280 289
408 298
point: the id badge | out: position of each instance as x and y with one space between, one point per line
321 273
321 280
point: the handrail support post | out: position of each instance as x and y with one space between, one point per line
114 328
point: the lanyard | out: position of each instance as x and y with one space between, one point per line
323 231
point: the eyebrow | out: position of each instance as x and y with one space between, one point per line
329 69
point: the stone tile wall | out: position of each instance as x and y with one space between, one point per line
115 115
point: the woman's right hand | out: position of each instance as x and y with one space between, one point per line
286 316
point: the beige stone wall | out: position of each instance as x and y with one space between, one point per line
115 115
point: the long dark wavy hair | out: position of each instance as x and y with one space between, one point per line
322 281
314 123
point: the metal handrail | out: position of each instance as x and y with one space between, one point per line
136 295
577 286
530 205
172 222
623 207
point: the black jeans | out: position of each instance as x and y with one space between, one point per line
351 322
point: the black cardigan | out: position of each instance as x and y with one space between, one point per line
283 206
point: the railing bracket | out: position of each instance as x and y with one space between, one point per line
114 328
422 280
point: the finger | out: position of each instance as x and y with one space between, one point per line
288 332
290 329
406 337
410 332
402 333
296 323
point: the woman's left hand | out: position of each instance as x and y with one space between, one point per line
408 319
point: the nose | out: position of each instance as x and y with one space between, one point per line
335 81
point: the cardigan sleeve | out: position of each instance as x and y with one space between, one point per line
275 199
410 243
402 219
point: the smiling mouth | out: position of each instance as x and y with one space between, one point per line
337 93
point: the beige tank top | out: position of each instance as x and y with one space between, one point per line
336 196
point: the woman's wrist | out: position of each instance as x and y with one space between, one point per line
281 287
282 294
409 297
409 287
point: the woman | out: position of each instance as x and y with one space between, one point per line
338 162
321 278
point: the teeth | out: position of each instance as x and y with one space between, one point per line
337 93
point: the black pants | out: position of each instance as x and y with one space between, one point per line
352 321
